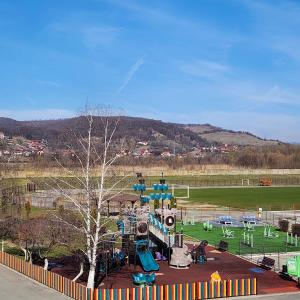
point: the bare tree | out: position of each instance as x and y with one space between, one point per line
96 151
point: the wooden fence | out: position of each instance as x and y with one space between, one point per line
182 291
187 291
50 279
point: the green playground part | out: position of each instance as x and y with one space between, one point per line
249 227
227 233
207 226
293 266
268 233
291 239
248 239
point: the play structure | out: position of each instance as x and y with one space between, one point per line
150 235
141 279
146 258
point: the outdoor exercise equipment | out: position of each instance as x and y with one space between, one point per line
248 239
248 226
227 233
292 239
207 226
269 234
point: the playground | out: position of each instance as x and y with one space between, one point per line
153 241
228 266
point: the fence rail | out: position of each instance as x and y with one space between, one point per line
187 291
50 279
181 291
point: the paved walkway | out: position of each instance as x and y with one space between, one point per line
14 286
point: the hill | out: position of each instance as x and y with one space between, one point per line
133 129
219 135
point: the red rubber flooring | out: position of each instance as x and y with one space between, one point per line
228 266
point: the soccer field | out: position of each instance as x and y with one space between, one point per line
274 198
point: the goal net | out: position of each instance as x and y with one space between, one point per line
245 182
180 191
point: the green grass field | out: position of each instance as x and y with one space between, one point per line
261 244
269 198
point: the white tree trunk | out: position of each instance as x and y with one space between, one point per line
2 248
91 278
80 272
46 264
25 253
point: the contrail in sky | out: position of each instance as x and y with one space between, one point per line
134 68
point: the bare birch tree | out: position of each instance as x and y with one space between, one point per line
96 152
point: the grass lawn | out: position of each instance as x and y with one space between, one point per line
275 198
261 244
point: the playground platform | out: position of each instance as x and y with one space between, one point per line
229 267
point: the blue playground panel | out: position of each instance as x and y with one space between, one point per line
142 279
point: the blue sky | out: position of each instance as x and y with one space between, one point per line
231 63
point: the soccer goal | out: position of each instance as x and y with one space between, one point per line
245 182
180 191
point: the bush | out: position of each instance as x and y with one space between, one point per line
283 225
296 229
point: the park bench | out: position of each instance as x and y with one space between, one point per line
266 263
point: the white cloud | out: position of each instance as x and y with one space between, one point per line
205 68
37 114
133 69
90 34
276 26
95 36
48 83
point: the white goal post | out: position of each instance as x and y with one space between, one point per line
246 182
181 187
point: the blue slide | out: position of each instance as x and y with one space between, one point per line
147 261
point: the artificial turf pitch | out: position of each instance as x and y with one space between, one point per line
261 245
269 198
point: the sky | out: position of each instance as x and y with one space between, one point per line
230 63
